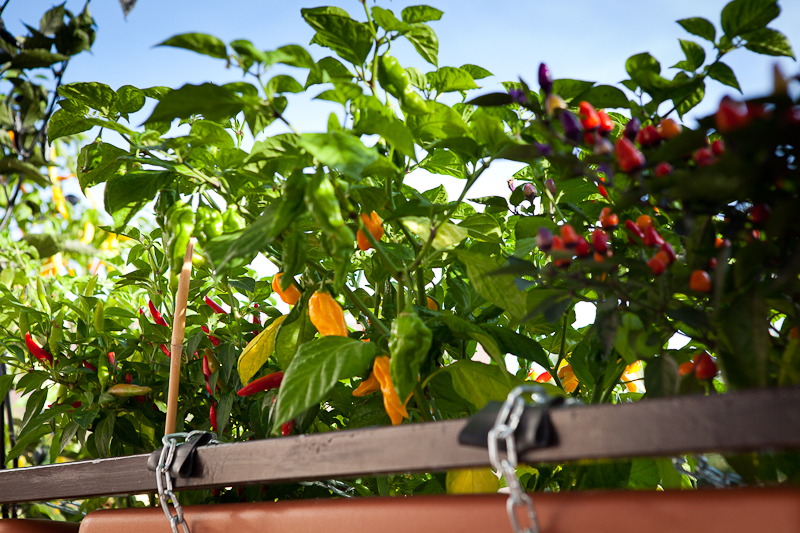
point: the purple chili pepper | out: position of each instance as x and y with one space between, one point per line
545 79
571 125
544 149
632 128
530 192
551 186
544 239
518 96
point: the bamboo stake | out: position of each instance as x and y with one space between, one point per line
178 333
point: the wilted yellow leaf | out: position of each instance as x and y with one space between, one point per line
472 481
256 353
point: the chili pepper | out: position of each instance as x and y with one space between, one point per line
582 248
550 185
268 382
632 129
731 115
128 378
705 367
759 213
644 221
600 241
409 342
558 245
125 390
90 366
412 103
568 379
686 368
668 129
213 305
337 239
326 314
703 157
553 102
374 225
391 401
88 233
634 231
718 147
208 223
232 220
568 236
37 351
112 359
529 191
102 371
608 220
431 304
391 75
544 239
544 377
669 252
651 237
606 124
648 136
545 78
367 386
291 295
628 157
287 428
180 226
212 416
663 169
214 340
700 281
211 359
166 197
99 317
571 126
56 332
590 119
603 147
159 319
657 263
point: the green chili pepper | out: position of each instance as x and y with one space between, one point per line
409 343
103 371
232 220
392 76
337 239
412 103
124 390
99 317
180 224
165 199
208 224
24 322
56 332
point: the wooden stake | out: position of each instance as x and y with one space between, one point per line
176 344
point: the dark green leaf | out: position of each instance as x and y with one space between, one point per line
386 20
95 95
744 341
695 55
198 42
724 74
350 39
315 370
102 435
224 408
500 290
444 162
477 73
292 335
340 151
36 58
10 164
603 96
517 344
132 190
479 383
742 16
97 162
84 416
212 101
130 99
449 79
25 441
326 70
425 41
700 27
569 89
661 376
768 42
422 13
491 99
239 248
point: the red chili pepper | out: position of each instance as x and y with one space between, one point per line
658 263
37 351
606 124
663 169
600 241
589 117
90 366
669 251
112 358
569 236
629 157
164 350
268 382
731 115
652 238
582 249
156 315
128 378
705 367
634 230
214 341
213 305
206 368
212 416
648 136
287 427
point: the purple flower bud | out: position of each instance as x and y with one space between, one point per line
530 192
551 186
518 96
544 149
605 168
544 239
545 79
632 128
571 125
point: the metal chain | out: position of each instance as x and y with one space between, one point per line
164 480
504 427
703 470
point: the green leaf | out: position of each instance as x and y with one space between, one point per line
292 335
425 41
283 84
700 27
449 79
695 56
408 345
97 162
661 377
98 96
212 101
102 435
412 14
479 383
224 408
375 118
570 89
200 43
326 70
10 164
340 151
130 99
36 58
724 74
131 191
25 441
744 341
477 73
441 123
768 42
491 100
445 162
43 418
239 248
386 20
315 370
500 290
6 382
448 236
350 39
84 416
742 16
489 132
696 92
517 344
606 96
293 55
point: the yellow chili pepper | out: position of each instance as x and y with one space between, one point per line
391 401
568 379
327 315
375 226
367 386
88 233
61 203
291 295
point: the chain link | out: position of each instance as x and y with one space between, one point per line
504 427
166 492
703 470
